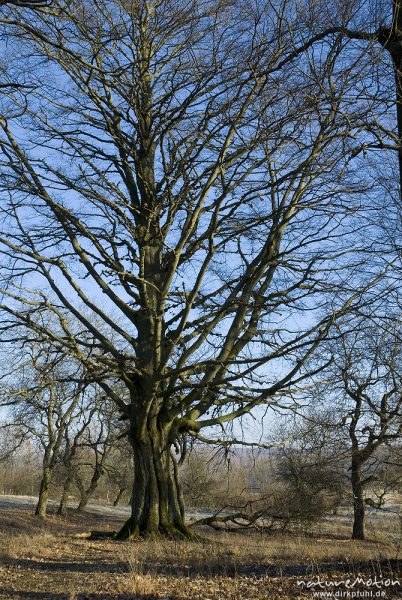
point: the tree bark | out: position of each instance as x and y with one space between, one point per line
119 495
83 502
358 502
41 506
156 508
87 493
62 510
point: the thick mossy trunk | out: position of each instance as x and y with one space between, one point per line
358 503
156 508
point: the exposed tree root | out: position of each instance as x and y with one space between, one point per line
131 531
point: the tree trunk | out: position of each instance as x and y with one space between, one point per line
41 507
62 510
83 502
118 497
156 502
358 503
86 494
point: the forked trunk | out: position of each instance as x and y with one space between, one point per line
156 507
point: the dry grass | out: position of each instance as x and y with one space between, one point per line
25 545
48 561
233 553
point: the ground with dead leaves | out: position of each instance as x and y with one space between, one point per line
55 560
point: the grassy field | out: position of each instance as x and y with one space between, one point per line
53 560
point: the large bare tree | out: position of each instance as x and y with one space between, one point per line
179 193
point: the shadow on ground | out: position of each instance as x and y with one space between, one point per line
218 568
15 595
68 567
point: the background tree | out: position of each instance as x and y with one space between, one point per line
44 399
181 190
71 445
120 469
367 365
297 479
311 466
20 464
96 446
203 481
